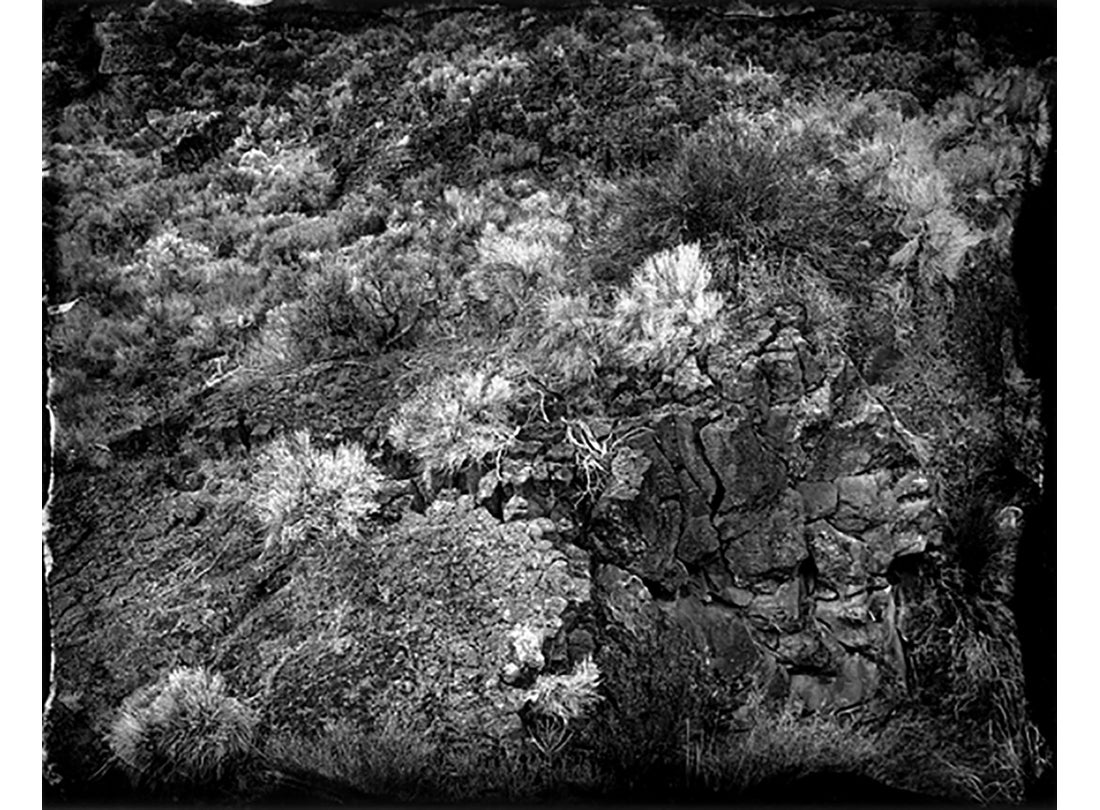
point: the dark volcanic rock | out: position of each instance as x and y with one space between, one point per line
777 506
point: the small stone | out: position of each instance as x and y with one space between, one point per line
779 608
863 501
842 561
739 597
688 379
820 498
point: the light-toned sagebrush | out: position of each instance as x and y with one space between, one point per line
571 338
900 166
298 487
462 418
184 731
567 697
668 311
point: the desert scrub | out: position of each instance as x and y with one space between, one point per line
571 345
782 743
567 697
898 167
299 489
462 80
182 733
521 263
287 181
556 701
361 300
728 181
668 311
952 177
764 282
462 418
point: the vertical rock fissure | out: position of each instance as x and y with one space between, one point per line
719 487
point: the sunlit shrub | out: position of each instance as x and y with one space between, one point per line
668 310
460 419
290 181
518 263
169 263
572 339
899 166
184 732
465 79
762 283
300 488
566 697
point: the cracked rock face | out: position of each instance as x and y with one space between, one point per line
772 513
761 516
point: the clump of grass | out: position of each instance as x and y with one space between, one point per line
970 669
567 697
763 282
353 302
571 347
393 758
556 702
461 419
668 310
299 488
520 263
783 743
899 166
726 182
183 732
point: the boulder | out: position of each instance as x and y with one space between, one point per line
774 507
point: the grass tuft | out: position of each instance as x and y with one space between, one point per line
300 488
182 732
460 419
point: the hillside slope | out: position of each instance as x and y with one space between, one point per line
504 404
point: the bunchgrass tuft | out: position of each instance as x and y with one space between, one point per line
567 697
299 487
183 732
668 311
460 419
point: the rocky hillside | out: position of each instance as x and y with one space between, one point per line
514 404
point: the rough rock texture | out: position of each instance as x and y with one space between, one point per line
435 622
131 47
776 510
763 509
420 626
760 503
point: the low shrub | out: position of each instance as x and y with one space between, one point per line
292 180
781 743
965 651
182 733
725 182
358 301
299 488
760 283
566 697
571 346
460 419
667 311
556 702
520 263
